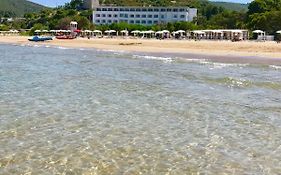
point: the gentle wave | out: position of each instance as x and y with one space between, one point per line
275 67
164 59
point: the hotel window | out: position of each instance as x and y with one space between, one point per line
138 10
103 15
155 22
182 16
132 10
175 10
115 15
98 9
121 15
126 15
109 21
116 10
127 10
143 10
156 10
137 16
103 21
143 16
149 22
121 9
97 15
143 22
169 10
109 15
150 10
137 22
175 16
110 9
132 16
97 21
163 10
156 16
162 16
182 10
132 22
104 9
149 16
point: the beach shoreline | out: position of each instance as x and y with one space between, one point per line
223 51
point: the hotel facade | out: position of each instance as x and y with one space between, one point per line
142 15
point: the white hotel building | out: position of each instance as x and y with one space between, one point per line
142 15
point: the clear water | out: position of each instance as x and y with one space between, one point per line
71 111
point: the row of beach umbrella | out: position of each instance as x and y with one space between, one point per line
134 31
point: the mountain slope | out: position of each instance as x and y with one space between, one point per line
17 8
232 6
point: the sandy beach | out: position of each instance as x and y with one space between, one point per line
211 48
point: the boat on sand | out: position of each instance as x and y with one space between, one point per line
40 39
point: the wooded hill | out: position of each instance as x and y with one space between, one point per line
17 8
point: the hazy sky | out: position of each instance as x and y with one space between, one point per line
54 3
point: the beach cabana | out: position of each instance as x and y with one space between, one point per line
147 34
198 34
97 33
260 35
135 32
124 32
110 32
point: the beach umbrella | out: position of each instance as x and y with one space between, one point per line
165 31
136 31
150 31
37 31
53 31
45 31
87 31
258 31
97 31
279 32
159 32
180 31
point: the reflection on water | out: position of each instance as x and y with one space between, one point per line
93 112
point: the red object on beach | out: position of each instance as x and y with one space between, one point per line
65 37
77 31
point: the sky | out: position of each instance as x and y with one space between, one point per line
54 3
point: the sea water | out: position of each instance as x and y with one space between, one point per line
79 111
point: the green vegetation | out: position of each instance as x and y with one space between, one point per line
232 6
262 14
17 8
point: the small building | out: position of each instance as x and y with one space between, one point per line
142 15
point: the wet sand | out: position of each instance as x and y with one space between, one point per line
226 51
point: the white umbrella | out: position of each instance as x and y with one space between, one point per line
279 32
37 31
165 31
150 31
136 31
87 31
258 31
159 32
97 31
180 31
198 32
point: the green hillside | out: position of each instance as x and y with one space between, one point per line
232 6
17 8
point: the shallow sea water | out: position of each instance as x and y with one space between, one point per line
77 111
